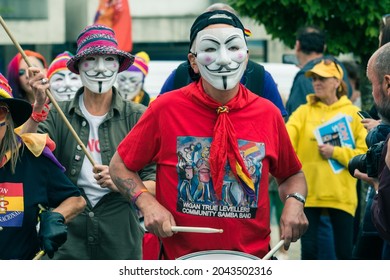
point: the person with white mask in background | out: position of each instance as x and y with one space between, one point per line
131 81
63 82
108 228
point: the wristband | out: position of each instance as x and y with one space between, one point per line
297 196
135 197
42 116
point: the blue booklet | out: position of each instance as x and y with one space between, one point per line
337 132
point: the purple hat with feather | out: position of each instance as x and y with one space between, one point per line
98 40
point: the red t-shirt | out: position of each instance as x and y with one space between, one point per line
175 132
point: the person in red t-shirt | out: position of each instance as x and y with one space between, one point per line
215 143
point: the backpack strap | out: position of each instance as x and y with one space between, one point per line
254 77
182 78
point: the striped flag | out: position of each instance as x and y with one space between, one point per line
11 204
116 14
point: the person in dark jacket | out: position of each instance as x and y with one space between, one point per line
378 72
31 176
310 49
131 82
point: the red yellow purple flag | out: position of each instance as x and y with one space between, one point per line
116 14
11 204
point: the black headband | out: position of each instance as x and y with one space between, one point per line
214 17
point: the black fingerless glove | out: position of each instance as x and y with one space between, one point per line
52 232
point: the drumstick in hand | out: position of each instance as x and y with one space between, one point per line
196 229
273 250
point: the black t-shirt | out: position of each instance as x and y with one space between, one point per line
37 180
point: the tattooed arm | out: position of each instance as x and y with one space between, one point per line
158 220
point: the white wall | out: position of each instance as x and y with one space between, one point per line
153 21
167 8
51 31
171 20
78 15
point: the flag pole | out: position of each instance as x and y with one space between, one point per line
48 93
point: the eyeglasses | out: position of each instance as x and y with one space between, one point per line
3 112
318 78
329 61
384 18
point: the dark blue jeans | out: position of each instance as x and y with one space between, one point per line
386 251
343 226
325 239
369 245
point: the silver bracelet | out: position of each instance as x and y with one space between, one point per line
297 196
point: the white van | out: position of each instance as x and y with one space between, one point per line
159 71
283 75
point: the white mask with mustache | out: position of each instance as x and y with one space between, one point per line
130 84
221 55
64 84
98 72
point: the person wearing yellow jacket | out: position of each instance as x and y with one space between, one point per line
330 190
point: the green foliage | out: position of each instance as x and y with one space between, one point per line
351 26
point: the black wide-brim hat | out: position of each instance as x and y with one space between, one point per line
20 109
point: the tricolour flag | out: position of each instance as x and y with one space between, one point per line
11 204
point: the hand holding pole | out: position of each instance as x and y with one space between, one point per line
48 93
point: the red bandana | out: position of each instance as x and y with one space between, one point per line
224 146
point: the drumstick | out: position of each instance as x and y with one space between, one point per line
273 250
39 255
196 229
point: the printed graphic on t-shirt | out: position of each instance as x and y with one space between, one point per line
196 195
11 204
94 145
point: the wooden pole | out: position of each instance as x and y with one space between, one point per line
48 93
